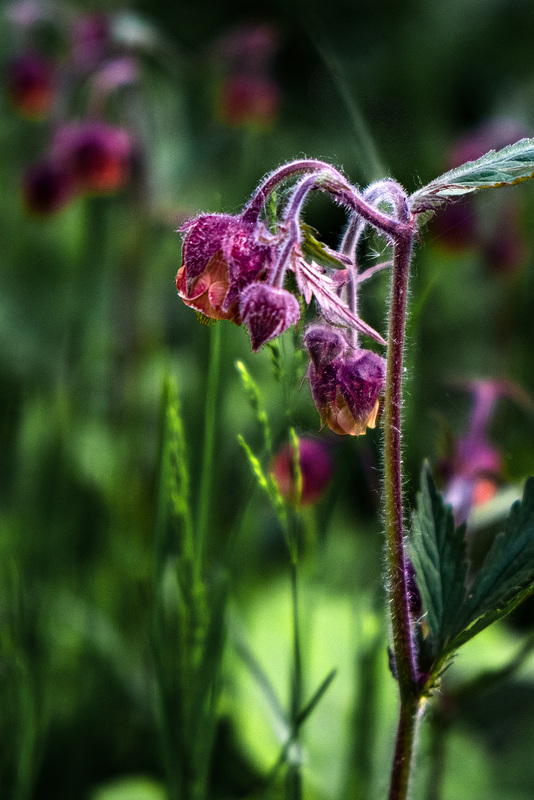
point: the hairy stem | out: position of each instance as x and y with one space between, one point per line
399 607
404 749
405 657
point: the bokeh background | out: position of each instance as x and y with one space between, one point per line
210 97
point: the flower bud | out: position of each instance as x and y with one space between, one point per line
345 383
267 312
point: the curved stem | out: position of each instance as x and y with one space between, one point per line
253 209
291 218
336 184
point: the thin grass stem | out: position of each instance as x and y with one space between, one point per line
206 474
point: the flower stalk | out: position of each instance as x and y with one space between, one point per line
403 643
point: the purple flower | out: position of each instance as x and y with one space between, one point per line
249 100
345 383
473 469
31 84
250 254
241 253
204 238
97 155
91 40
316 468
267 312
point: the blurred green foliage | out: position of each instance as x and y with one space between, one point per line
90 327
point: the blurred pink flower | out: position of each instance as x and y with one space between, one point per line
316 467
31 84
248 100
97 155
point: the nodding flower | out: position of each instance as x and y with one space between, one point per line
249 101
222 255
235 267
346 382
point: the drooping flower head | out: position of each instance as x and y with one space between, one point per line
345 383
249 101
316 469
223 256
235 267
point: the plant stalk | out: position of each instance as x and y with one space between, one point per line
403 646
206 476
404 749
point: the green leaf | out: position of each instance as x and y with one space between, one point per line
507 574
512 164
174 525
437 550
314 250
455 611
305 712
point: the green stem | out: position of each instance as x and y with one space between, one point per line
206 476
293 776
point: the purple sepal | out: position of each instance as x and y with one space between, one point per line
203 239
248 257
267 312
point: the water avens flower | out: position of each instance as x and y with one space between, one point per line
206 293
345 383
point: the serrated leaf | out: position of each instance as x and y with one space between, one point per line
437 550
508 570
512 164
